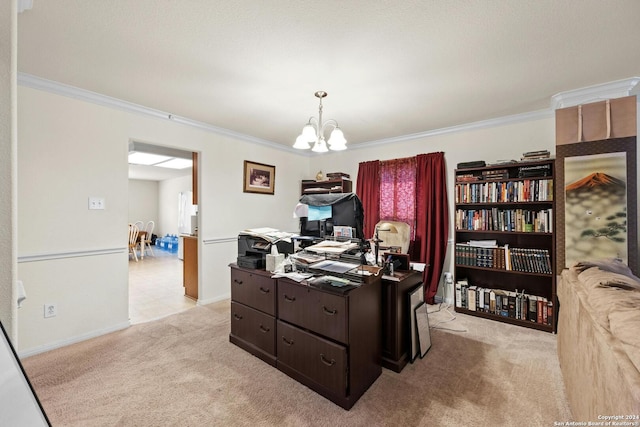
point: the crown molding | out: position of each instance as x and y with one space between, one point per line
39 83
600 92
482 124
615 89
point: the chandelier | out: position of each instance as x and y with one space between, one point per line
313 133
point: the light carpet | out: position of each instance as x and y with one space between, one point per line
183 371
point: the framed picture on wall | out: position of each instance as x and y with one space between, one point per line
597 199
259 178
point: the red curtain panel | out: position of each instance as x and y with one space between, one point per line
432 219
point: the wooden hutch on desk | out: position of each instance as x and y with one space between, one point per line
333 185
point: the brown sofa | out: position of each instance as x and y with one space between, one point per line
599 339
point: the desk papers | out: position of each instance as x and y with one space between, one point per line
334 266
269 234
332 247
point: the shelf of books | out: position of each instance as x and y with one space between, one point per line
505 243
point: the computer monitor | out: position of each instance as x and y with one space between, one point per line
346 210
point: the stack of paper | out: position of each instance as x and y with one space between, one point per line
332 247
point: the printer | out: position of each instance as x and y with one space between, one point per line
253 250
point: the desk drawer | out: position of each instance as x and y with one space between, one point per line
255 290
320 360
254 327
318 311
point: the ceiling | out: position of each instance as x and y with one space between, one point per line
391 68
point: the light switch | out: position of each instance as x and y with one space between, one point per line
96 203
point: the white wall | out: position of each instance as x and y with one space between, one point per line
143 201
70 150
8 89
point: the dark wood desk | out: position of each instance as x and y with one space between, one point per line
323 337
395 318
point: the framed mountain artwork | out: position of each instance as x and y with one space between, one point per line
596 198
595 207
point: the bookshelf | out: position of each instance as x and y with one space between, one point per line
505 243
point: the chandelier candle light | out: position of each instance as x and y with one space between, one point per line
313 133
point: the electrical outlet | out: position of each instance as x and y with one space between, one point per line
50 310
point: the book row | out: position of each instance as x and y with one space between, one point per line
494 219
526 190
513 304
527 260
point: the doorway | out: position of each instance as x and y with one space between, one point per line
155 287
156 282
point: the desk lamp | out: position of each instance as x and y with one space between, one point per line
384 226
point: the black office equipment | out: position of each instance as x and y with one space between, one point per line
346 210
253 250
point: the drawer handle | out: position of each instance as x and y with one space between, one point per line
263 329
239 282
289 299
329 312
237 316
286 341
327 361
264 291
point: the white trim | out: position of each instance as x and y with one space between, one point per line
216 299
72 254
611 90
227 132
220 240
72 340
39 83
500 121
603 91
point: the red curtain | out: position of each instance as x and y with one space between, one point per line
368 191
398 191
432 219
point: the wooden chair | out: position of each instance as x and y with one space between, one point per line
133 240
146 244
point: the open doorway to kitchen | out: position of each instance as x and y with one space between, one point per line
162 189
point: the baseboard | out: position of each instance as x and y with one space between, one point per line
212 300
73 340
